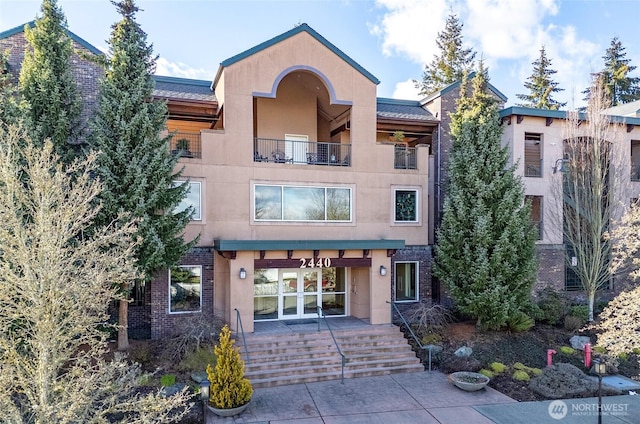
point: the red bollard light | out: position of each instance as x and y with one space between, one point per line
587 355
550 353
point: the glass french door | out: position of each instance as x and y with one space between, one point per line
299 293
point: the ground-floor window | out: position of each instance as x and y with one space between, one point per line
296 293
406 281
185 289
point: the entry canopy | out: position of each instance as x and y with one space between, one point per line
245 245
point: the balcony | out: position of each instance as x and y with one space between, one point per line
405 157
186 145
301 152
533 168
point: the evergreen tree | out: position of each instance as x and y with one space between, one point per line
47 84
541 86
135 165
619 87
9 109
485 249
452 62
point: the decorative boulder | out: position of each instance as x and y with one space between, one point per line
463 351
578 342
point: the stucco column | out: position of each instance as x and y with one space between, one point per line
380 288
241 291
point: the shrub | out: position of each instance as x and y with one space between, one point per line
519 322
498 367
459 363
486 372
190 334
573 323
529 370
197 360
619 323
599 349
168 380
431 339
580 311
140 353
552 305
567 350
521 375
428 316
229 388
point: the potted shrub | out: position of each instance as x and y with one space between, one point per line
469 381
229 392
182 148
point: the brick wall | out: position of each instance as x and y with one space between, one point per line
423 255
164 324
86 73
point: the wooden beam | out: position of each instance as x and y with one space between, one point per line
289 254
262 254
365 253
519 119
630 127
295 263
548 121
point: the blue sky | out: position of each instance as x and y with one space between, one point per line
392 39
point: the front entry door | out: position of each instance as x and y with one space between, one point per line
299 291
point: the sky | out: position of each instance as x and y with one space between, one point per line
392 39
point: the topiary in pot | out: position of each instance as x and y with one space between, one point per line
229 388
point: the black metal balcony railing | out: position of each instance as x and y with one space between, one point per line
635 172
405 157
186 145
301 152
533 169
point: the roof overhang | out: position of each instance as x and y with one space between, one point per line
270 245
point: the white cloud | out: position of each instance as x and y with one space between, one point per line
179 69
406 90
410 28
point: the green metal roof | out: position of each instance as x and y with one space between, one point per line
255 245
82 42
561 114
298 29
456 84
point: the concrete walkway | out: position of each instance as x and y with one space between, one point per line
423 397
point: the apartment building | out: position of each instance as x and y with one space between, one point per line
313 195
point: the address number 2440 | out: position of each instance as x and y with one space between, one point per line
315 263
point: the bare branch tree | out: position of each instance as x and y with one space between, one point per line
591 180
56 282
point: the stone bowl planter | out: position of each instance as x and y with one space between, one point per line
469 381
228 412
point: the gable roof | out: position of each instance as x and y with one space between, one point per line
296 30
84 43
456 84
631 109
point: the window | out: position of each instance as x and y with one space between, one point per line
406 205
290 203
532 155
406 281
185 289
192 199
536 213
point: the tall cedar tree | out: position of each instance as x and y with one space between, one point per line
47 85
453 61
541 86
135 165
619 87
485 249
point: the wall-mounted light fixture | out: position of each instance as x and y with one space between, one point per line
383 270
243 273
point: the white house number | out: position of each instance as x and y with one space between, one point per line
315 263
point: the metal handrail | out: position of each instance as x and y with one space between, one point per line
239 325
344 358
418 342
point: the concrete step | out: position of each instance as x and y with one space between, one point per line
301 357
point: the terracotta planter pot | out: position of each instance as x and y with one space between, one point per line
228 412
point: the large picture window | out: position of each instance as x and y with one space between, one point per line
185 289
291 203
406 205
192 198
406 281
